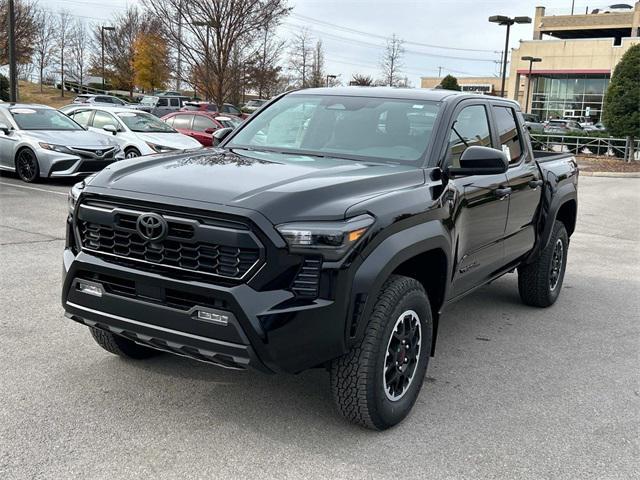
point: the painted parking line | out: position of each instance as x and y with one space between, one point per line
34 188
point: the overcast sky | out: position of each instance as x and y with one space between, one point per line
353 31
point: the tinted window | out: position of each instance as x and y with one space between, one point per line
174 102
162 102
471 127
508 132
116 100
182 121
212 107
102 118
201 123
82 117
230 109
103 99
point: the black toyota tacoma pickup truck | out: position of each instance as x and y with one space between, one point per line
331 229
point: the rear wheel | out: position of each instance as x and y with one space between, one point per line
27 166
378 381
121 346
540 282
131 153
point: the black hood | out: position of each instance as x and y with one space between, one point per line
280 186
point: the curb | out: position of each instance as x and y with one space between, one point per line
611 174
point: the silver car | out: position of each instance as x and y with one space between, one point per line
37 141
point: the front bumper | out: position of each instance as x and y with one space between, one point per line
54 164
265 330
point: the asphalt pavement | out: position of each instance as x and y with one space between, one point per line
513 393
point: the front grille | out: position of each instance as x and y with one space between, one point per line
306 282
90 166
190 245
94 153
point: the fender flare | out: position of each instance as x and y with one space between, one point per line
548 214
380 263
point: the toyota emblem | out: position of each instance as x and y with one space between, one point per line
98 153
152 227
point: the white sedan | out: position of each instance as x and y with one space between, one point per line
138 133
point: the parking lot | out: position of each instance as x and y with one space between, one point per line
513 392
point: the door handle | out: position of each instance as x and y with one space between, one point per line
502 193
536 183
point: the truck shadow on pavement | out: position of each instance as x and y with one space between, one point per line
269 403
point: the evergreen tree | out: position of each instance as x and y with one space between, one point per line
450 83
621 113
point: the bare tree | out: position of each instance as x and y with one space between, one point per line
317 66
25 28
44 44
63 28
361 80
300 54
208 32
262 68
392 60
78 44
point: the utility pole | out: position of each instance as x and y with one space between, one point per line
573 4
179 60
13 74
439 72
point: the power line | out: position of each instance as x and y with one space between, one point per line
369 34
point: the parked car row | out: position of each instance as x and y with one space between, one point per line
37 141
559 126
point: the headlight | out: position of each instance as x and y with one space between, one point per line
331 239
160 148
55 148
76 190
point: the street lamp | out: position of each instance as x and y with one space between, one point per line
331 77
102 29
507 21
531 61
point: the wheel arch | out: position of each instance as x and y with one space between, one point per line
420 252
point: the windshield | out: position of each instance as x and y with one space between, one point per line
42 119
148 101
144 123
385 129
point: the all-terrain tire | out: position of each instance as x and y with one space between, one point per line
358 378
121 346
540 282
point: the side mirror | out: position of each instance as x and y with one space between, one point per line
220 134
4 128
478 160
110 128
209 130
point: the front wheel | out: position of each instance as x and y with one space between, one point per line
27 166
540 282
131 153
378 381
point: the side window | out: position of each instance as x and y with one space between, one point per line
182 121
509 134
201 123
471 127
162 102
233 110
174 102
116 100
82 117
101 119
103 99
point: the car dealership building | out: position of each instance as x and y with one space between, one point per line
577 53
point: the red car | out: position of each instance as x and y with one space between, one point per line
227 108
200 124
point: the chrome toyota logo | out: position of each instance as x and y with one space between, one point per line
99 153
152 227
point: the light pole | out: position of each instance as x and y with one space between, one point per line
102 29
330 77
531 61
507 21
206 56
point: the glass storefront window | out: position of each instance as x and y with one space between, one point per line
576 96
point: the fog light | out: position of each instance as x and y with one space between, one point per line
212 317
90 289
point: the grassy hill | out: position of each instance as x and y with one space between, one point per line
30 93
